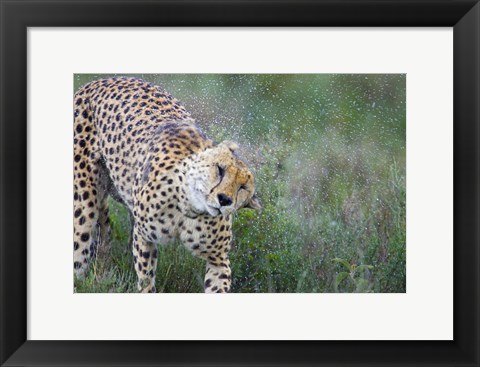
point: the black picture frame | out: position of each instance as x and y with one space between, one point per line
18 15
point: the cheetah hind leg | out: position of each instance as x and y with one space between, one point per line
87 235
91 222
103 237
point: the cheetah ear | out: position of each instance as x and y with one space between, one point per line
254 203
230 145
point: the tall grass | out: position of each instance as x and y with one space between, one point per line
328 152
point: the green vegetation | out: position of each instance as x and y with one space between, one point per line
328 152
356 276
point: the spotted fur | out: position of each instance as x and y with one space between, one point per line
135 142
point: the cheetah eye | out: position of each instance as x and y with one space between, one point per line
221 171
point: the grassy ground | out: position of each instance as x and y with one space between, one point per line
328 152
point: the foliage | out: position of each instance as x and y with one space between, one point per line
353 277
328 152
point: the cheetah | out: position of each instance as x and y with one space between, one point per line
135 142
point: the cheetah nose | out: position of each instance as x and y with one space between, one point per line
224 200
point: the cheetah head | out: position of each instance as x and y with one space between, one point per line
220 183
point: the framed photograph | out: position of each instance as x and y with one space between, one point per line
316 163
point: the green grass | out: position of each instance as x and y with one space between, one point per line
328 152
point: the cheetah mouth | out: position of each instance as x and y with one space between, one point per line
214 211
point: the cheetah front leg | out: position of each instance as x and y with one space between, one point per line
145 262
218 277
